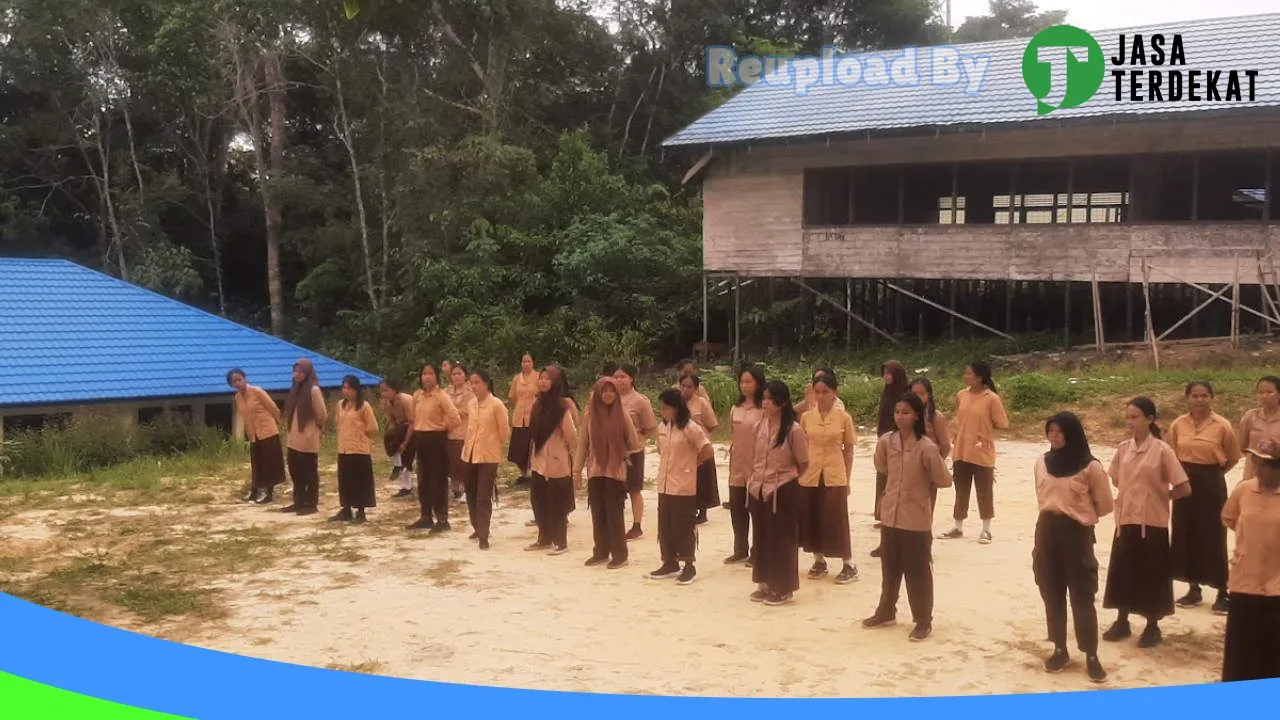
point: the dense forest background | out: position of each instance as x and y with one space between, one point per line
393 180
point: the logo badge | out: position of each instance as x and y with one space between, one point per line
1063 68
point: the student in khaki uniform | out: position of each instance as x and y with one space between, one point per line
1146 473
1206 445
261 419
913 470
824 487
979 413
935 422
1260 423
1252 512
357 426
894 376
743 420
488 429
607 441
433 417
397 408
1073 492
461 395
700 410
685 369
553 435
683 446
646 424
781 456
806 404
522 393
307 413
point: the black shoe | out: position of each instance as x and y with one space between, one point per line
344 515
1057 662
668 570
290 508
535 547
440 527
402 494
635 533
616 564
484 544
701 518
264 498
360 517
1222 605
1193 598
687 575
952 534
474 536
422 524
1151 636
594 561
775 600
819 570
878 621
250 496
920 632
847 575
875 553
307 511
760 596
1093 666
1118 631
735 559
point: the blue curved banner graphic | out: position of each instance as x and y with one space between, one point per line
56 651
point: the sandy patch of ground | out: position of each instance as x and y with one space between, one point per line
375 599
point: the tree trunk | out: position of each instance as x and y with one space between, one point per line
275 88
348 141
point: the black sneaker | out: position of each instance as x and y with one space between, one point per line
687 575
920 632
484 544
1193 598
594 561
344 515
952 534
701 518
249 496
760 596
735 559
1057 662
1093 666
264 498
360 517
878 621
402 494
290 508
1222 605
422 524
847 575
1118 631
538 546
616 564
307 511
1151 636
875 553
819 570
441 527
668 570
635 533
776 600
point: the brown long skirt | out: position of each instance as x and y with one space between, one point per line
520 450
458 471
266 462
708 486
777 540
1252 647
1139 576
1198 539
824 520
635 472
355 482
677 527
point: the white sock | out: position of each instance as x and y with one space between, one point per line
960 525
986 526
819 560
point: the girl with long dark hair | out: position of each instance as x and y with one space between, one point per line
433 417
781 457
743 420
979 414
487 431
1260 423
1207 446
1073 492
1252 512
461 395
553 435
914 470
306 411
702 413
398 408
357 426
523 391
935 422
682 448
1146 473
607 441
261 418
824 487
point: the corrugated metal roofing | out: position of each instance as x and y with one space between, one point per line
764 111
69 334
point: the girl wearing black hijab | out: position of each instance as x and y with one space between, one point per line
1073 492
895 386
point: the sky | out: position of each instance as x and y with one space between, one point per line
1109 14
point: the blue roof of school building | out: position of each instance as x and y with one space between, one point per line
71 335
775 112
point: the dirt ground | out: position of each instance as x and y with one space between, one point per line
375 599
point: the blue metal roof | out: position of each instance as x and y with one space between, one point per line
775 112
69 334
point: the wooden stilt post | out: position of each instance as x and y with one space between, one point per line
737 327
951 329
1146 297
706 328
1066 315
1099 332
848 311
1235 307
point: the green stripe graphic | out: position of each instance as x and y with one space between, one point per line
26 700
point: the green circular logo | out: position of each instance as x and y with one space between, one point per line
1062 67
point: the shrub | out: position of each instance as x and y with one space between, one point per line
1035 391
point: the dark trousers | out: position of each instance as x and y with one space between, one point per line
740 518
478 480
983 479
304 470
457 468
1064 566
906 553
881 481
608 498
1252 647
433 475
539 491
677 527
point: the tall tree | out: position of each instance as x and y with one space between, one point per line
1007 19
